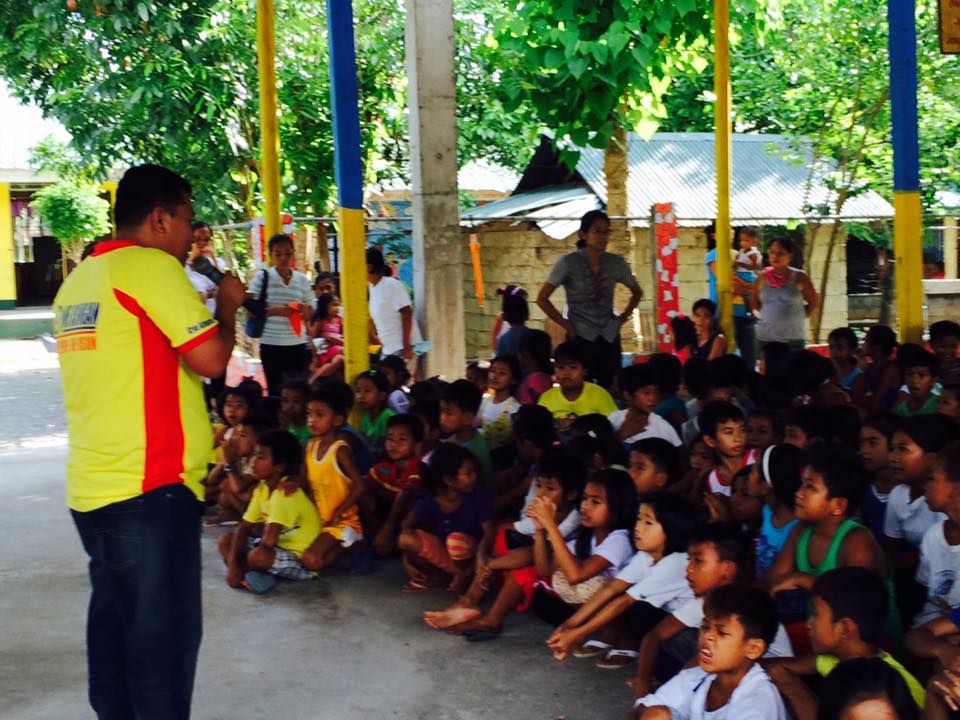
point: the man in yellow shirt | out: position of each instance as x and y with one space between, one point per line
134 338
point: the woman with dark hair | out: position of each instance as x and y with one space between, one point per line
283 346
391 313
785 297
589 276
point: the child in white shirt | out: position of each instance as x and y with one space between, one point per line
651 584
739 623
939 568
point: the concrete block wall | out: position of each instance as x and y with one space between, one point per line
521 254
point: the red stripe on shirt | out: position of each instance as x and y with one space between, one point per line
101 248
198 340
163 425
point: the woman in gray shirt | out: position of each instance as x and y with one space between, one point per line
785 297
589 275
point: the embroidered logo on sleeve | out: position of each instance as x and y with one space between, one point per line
194 329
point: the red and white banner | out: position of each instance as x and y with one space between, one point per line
668 294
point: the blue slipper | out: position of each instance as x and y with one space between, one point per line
480 635
362 561
260 582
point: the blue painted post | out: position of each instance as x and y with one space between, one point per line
908 216
349 176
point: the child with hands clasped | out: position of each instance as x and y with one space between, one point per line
578 568
230 483
332 478
233 407
641 594
559 480
739 623
287 546
440 536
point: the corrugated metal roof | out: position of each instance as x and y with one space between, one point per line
681 168
552 206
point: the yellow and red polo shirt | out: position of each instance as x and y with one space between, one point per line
136 416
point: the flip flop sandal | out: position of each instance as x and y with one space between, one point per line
591 649
259 582
413 586
617 659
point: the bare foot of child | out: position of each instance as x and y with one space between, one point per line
479 624
443 619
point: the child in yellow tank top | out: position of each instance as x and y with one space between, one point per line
332 479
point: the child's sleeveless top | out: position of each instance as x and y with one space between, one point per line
829 562
330 485
715 484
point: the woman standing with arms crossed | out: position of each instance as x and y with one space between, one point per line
589 275
785 297
283 349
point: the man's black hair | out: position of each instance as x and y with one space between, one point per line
841 469
413 423
284 449
464 395
858 594
751 605
144 188
714 413
634 377
726 537
664 456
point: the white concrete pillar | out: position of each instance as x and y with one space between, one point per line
437 251
950 248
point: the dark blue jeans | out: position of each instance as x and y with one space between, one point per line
144 621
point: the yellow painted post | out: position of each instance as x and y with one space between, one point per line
110 187
8 276
721 87
269 138
907 240
353 288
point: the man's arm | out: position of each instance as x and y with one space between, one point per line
210 357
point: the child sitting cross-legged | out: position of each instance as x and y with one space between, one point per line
849 610
332 478
739 623
714 557
439 537
641 594
639 393
459 405
508 567
578 568
394 484
286 546
574 396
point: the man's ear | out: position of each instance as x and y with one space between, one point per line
755 648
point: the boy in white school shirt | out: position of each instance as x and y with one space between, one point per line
739 623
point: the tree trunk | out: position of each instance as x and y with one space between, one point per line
615 171
824 278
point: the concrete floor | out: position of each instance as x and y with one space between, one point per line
339 647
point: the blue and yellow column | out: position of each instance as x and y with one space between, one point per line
908 213
8 276
721 85
349 175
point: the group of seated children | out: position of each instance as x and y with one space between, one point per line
773 544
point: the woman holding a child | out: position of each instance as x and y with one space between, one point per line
589 276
